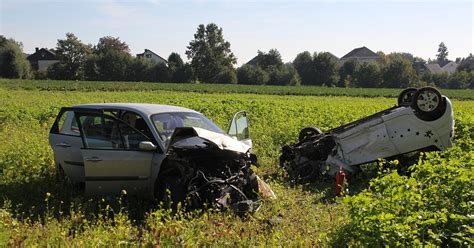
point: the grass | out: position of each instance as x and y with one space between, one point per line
36 210
47 85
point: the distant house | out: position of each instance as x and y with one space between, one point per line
148 54
253 61
361 54
42 58
434 68
450 67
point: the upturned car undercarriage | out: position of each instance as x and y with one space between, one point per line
422 120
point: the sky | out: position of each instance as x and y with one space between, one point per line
291 27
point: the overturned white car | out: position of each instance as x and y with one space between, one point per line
158 151
422 120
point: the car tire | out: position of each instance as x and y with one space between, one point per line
428 103
405 99
308 132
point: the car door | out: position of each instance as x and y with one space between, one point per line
239 128
65 141
116 156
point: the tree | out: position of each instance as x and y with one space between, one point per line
440 79
442 53
347 73
226 75
325 68
113 65
284 75
57 71
268 60
459 80
251 74
72 53
107 43
399 72
180 72
368 75
140 69
13 63
185 74
210 54
175 61
303 64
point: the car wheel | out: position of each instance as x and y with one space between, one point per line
308 132
405 98
428 103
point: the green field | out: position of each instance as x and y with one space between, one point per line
433 206
467 94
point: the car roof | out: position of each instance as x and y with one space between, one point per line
143 108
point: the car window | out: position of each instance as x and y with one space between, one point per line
165 123
101 132
106 132
67 124
137 122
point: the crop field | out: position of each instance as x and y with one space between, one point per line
466 94
432 206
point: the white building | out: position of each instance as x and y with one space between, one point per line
148 54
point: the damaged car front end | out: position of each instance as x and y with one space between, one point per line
205 169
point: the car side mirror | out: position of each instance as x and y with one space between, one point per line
239 126
147 146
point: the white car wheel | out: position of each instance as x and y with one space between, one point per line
428 103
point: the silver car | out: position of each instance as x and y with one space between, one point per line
151 149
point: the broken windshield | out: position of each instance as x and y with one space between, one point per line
165 123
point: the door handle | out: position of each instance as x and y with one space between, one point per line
93 159
63 145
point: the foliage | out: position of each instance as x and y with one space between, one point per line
140 69
72 53
302 64
347 73
251 74
368 75
442 53
180 72
399 73
432 207
320 69
210 54
87 86
13 63
56 214
459 80
325 69
112 65
108 43
268 61
284 75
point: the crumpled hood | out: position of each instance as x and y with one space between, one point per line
222 141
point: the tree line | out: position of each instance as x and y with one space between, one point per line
212 61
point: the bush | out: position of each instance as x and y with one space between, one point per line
368 75
226 76
13 63
459 80
432 207
249 74
285 75
399 73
